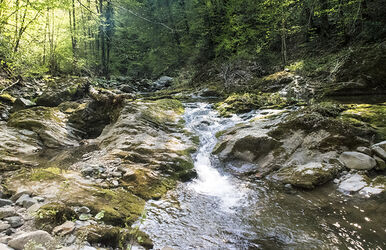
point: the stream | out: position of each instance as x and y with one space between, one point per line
218 211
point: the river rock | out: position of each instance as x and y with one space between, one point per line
308 175
26 201
19 194
353 183
38 237
356 160
22 103
381 145
162 82
64 229
4 226
15 221
5 202
379 152
7 212
381 164
364 150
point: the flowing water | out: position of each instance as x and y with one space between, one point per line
218 211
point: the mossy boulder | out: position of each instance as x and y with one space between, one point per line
50 124
370 116
53 214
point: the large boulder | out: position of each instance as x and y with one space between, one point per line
356 160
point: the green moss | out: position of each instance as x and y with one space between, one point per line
33 117
170 104
220 133
195 139
7 98
241 103
367 116
115 237
46 174
120 206
52 215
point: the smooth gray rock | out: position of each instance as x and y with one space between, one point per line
22 103
5 202
15 221
26 201
39 237
7 212
379 152
356 160
16 196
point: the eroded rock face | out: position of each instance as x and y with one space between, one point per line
50 124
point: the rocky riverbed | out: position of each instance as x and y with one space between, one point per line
87 167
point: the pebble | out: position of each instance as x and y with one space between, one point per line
4 226
15 221
64 229
116 174
115 183
39 199
7 212
83 210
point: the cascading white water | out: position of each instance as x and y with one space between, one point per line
202 120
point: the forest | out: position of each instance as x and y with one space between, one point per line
150 38
192 124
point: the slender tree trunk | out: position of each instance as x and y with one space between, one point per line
283 42
102 39
324 28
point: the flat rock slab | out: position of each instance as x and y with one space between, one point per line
39 237
353 184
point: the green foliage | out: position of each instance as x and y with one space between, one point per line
147 38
